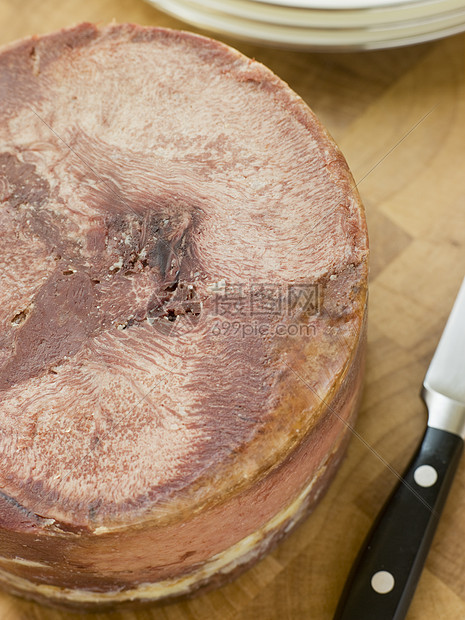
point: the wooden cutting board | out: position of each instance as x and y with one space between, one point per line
399 117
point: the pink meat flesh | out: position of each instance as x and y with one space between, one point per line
144 175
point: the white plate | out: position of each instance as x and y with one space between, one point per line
372 34
335 4
284 16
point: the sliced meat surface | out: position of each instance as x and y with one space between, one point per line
182 278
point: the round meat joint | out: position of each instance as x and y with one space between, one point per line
183 283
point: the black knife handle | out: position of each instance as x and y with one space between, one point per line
393 554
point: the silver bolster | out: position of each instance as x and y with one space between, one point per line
444 413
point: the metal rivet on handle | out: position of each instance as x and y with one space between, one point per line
382 582
425 476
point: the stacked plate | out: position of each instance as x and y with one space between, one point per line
324 24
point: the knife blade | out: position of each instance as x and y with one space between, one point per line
383 579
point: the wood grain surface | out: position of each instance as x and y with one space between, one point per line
399 117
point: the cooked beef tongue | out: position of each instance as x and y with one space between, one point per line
183 255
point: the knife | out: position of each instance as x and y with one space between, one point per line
384 577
